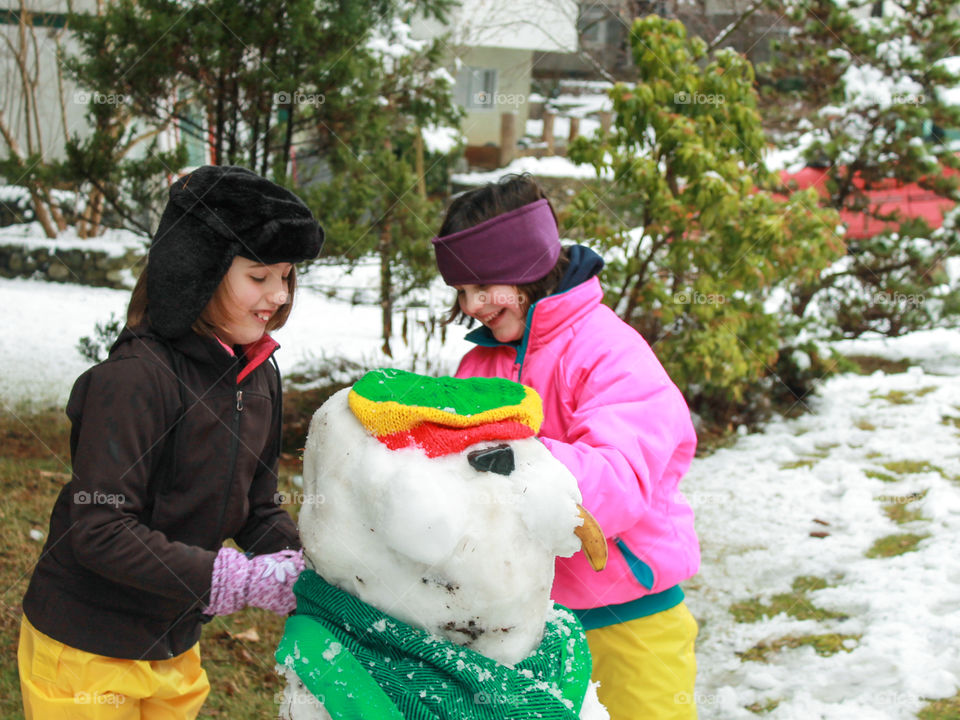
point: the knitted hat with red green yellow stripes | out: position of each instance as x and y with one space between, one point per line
443 415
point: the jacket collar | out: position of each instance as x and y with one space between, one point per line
205 350
257 353
556 313
548 317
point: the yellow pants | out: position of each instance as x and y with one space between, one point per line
59 682
646 667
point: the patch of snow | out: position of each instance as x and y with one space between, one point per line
441 139
553 166
40 361
581 106
114 242
333 649
759 502
936 351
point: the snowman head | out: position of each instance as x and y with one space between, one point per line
431 499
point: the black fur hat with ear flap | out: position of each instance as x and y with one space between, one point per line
213 215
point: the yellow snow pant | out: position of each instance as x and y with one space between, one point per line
646 667
59 682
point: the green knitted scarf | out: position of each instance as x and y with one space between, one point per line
362 663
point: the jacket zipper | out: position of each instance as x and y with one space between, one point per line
234 449
234 443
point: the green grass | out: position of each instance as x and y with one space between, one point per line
794 603
947 709
895 397
32 471
34 467
869 364
913 467
897 468
242 680
904 397
877 475
901 514
907 467
893 545
864 424
824 645
794 464
758 708
898 508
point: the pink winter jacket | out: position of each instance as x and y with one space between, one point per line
620 425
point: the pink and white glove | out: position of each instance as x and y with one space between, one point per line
263 581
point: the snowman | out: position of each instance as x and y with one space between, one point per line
430 522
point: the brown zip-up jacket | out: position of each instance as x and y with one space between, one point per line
171 455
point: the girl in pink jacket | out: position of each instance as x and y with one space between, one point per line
612 416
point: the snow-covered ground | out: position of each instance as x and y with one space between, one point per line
582 105
868 442
114 242
39 360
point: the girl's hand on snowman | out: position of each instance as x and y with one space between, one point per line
263 581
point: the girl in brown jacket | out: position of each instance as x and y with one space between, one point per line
175 440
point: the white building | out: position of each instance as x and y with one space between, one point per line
42 113
41 107
491 44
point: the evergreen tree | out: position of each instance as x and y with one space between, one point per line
250 79
870 91
243 76
697 245
378 198
341 82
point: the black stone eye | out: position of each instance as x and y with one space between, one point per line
498 459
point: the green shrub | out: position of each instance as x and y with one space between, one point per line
697 245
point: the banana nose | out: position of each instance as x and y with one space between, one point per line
592 540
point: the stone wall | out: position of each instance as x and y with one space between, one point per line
84 266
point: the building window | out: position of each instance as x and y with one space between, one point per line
592 25
192 131
477 88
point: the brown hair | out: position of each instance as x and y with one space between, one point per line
476 206
215 312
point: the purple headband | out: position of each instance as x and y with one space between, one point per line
517 247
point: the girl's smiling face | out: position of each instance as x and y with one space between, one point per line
501 308
250 294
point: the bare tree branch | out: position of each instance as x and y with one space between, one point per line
36 197
732 27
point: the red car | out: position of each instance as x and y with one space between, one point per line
911 201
